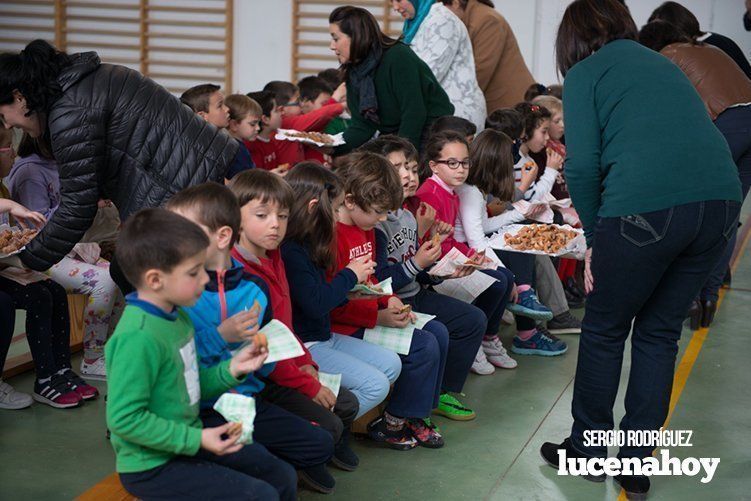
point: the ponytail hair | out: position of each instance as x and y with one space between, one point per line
314 229
33 72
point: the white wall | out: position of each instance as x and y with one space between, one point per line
263 33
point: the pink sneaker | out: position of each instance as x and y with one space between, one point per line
80 386
56 393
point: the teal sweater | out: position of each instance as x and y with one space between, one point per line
409 99
638 137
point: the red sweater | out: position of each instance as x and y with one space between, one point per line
271 154
446 205
286 372
352 242
315 121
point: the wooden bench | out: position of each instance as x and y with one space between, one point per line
109 489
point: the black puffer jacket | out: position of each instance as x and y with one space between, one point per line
119 135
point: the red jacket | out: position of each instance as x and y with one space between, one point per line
446 205
315 121
286 372
352 242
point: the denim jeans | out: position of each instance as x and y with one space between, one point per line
647 268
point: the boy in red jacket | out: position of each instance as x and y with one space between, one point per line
265 200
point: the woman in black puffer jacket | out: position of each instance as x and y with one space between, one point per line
115 134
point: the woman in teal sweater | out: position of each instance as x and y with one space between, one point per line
389 88
658 194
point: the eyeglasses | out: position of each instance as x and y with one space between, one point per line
454 164
294 103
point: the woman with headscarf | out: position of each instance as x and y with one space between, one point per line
389 89
440 38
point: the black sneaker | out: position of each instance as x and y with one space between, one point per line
318 479
400 439
56 392
636 487
565 323
344 457
549 452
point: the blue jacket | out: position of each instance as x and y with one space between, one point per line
227 293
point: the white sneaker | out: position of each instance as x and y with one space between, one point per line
96 370
12 399
497 354
481 365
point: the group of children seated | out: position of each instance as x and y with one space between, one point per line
294 242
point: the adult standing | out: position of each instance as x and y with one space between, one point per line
389 89
114 133
440 39
501 72
683 19
726 92
655 217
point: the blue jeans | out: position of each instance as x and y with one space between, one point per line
647 268
367 369
466 326
735 125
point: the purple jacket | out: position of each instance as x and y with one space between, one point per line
34 182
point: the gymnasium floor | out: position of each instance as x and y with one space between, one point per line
52 454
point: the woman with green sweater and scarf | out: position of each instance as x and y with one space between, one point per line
389 89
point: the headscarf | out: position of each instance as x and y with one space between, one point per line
362 77
411 26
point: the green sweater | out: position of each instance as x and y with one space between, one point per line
409 99
154 387
638 137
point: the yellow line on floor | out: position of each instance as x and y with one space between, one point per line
686 364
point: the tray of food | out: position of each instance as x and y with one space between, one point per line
13 240
544 239
314 138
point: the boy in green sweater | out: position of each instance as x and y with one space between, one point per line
155 383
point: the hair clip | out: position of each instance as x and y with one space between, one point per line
534 108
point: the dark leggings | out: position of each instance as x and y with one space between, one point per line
47 323
7 324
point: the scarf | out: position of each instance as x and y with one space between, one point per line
411 26
362 78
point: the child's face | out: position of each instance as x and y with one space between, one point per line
340 43
263 225
292 108
7 154
218 114
247 128
452 153
556 129
366 220
540 138
407 172
274 121
184 284
308 105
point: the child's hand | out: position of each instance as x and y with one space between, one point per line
442 229
309 369
462 271
281 170
25 217
555 161
212 441
247 360
428 253
395 314
363 267
496 207
325 398
241 326
425 217
529 174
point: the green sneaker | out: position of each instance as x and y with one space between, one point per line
452 408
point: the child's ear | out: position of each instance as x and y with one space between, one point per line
349 201
224 237
265 119
153 280
312 205
432 165
203 115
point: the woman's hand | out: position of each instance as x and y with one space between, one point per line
589 280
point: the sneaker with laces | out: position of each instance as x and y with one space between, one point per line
399 438
425 435
449 406
77 384
529 306
565 323
481 365
497 354
56 392
12 399
546 345
95 370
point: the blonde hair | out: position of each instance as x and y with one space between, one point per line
552 103
240 106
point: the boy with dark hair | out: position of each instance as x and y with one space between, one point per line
232 308
207 101
155 384
268 152
314 93
456 124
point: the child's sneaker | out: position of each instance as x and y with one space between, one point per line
450 407
426 436
539 344
565 323
481 365
318 479
497 354
529 306
344 457
397 438
56 392
95 370
77 384
12 399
